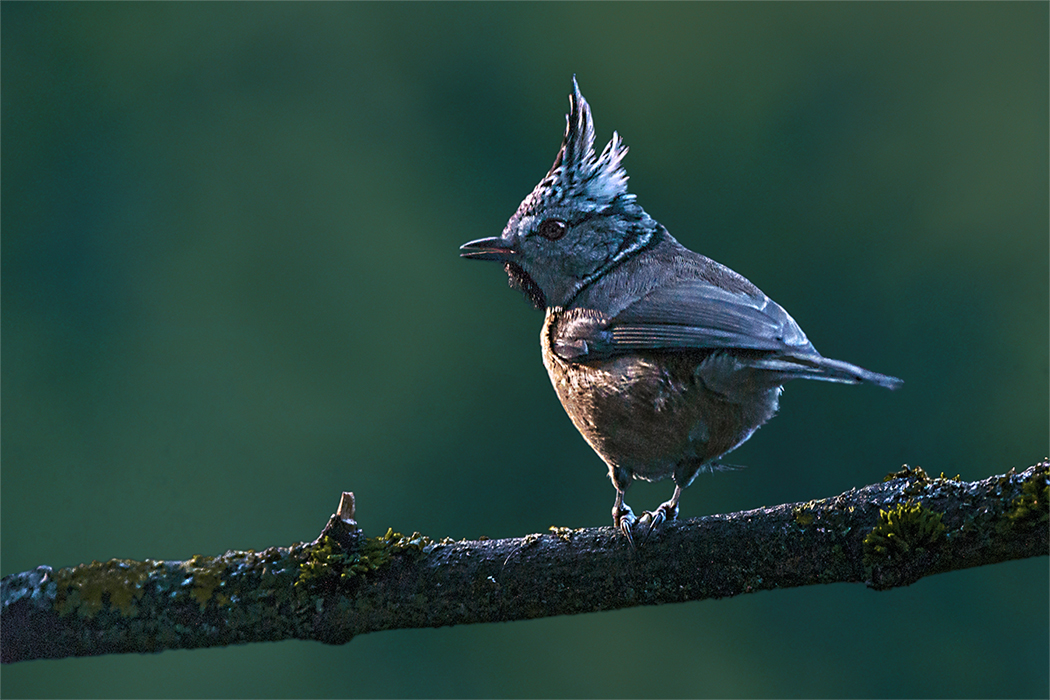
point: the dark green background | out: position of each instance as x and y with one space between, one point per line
231 290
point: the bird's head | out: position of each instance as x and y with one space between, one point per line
576 224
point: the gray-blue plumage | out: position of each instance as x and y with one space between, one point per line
664 359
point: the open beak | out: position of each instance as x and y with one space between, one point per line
487 249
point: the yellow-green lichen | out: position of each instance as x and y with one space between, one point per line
830 515
803 514
803 517
1031 506
206 574
920 481
530 540
88 588
908 528
400 543
906 472
326 560
562 533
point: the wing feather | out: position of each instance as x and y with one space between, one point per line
692 314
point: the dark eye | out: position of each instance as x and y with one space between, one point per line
552 229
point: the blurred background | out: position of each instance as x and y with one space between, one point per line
231 289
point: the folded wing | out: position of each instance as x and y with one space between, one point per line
696 315
690 315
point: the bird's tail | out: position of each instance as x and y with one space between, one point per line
826 370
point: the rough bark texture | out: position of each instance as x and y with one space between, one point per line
344 584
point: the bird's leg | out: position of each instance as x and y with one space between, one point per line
623 516
666 511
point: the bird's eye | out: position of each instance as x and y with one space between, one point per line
552 229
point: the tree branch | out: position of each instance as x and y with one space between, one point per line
344 584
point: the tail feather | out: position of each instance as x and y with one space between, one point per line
826 370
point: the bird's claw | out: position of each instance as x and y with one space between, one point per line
638 529
649 521
624 520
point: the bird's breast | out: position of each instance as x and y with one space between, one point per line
649 411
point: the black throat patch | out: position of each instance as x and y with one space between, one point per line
520 280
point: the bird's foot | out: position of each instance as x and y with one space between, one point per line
624 520
637 530
651 520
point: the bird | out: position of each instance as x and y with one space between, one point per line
664 359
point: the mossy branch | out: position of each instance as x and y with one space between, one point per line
344 584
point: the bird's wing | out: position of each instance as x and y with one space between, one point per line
691 314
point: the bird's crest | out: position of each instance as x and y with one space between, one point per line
590 182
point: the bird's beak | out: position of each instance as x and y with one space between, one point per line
487 249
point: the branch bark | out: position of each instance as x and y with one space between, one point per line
344 584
